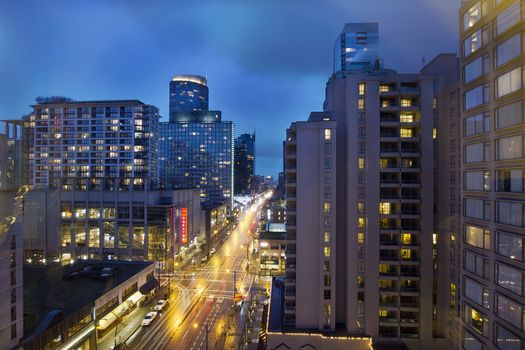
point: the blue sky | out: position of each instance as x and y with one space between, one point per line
267 61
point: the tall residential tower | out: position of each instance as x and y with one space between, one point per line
491 237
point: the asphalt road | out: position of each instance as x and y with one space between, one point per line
201 313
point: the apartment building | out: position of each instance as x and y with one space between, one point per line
491 277
361 207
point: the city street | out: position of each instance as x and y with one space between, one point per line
201 314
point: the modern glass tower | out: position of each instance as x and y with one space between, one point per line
188 93
244 163
356 47
198 153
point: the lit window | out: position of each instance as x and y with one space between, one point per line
360 237
361 89
361 222
360 207
384 208
406 238
361 103
326 207
327 134
384 88
434 133
383 313
327 237
472 16
406 118
406 102
406 132
361 163
327 252
406 253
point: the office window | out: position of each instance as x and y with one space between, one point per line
477 152
361 163
361 88
326 207
509 278
477 293
476 96
477 236
476 124
361 103
360 237
477 181
360 207
327 237
476 320
508 50
508 18
509 82
472 16
477 208
509 115
472 43
506 340
327 134
510 213
510 311
510 245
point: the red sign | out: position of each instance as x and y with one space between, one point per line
184 225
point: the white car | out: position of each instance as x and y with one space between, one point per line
212 250
161 304
150 316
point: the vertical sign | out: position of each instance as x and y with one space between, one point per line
173 215
184 225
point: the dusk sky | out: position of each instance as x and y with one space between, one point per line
266 61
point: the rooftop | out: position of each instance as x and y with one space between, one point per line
52 287
191 78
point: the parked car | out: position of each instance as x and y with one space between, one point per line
212 251
150 316
203 260
161 304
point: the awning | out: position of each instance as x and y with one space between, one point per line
147 287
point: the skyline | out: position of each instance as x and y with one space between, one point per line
276 84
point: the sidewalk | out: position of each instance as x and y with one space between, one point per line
125 328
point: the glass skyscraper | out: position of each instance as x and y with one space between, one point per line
244 163
188 93
198 154
356 47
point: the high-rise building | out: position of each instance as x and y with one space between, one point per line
12 175
244 169
188 93
490 281
197 146
356 47
93 145
361 188
11 268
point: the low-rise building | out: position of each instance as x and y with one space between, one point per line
71 307
127 225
